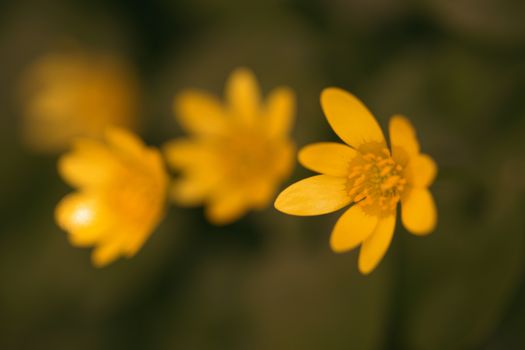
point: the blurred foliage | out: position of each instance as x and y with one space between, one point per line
269 281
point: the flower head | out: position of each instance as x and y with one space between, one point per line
121 194
67 95
366 174
239 151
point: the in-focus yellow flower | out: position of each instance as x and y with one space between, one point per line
239 151
121 194
366 174
67 95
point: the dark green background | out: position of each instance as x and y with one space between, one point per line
456 68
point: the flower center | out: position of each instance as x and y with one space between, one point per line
247 156
134 198
375 181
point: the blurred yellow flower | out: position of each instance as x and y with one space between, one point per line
121 194
239 151
66 95
366 174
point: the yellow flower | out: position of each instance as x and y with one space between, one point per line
67 95
121 194
366 174
239 151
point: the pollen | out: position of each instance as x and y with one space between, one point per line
375 181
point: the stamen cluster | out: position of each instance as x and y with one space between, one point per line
375 181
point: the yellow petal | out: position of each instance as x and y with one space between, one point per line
403 139
134 241
83 217
226 207
105 254
418 211
153 158
315 195
182 153
423 170
200 113
375 246
125 142
349 118
280 111
200 173
284 162
243 95
89 164
352 228
328 158
261 193
192 189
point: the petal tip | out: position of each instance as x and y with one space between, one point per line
279 203
337 247
242 72
399 118
102 256
365 269
328 92
422 231
419 213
